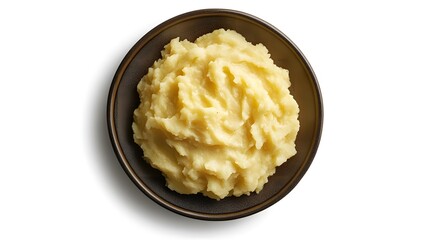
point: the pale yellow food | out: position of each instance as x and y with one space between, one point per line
216 116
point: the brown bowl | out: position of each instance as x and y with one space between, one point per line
123 99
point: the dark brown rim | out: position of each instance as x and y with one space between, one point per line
117 145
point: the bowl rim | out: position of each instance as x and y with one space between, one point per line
119 152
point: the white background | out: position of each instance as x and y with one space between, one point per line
59 178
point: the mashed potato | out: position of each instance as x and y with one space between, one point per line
216 116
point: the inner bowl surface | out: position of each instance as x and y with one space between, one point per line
123 100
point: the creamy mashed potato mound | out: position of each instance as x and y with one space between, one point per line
216 116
